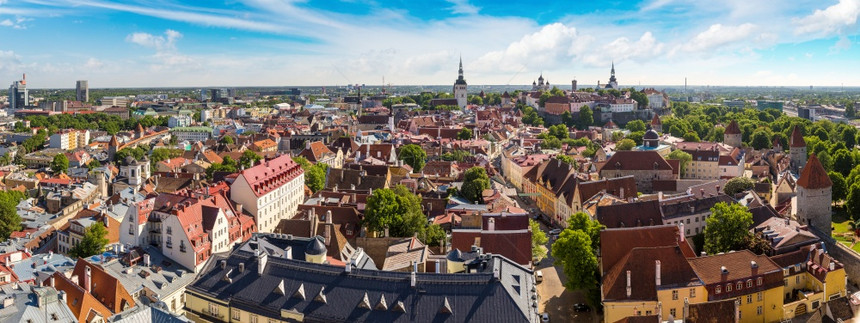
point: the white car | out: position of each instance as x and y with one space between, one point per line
544 318
538 276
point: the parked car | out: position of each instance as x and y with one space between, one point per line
538 276
581 307
544 318
555 232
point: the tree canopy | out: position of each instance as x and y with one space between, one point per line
737 185
474 184
396 209
60 164
539 239
727 228
465 134
93 242
414 156
682 156
10 221
625 144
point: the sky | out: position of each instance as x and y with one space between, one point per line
183 43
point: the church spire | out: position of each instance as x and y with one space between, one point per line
613 68
461 67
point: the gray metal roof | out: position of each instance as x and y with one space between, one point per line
475 297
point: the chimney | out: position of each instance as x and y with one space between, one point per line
241 267
288 253
262 258
832 266
629 289
621 192
724 273
657 275
491 225
88 279
681 232
702 191
753 267
223 264
146 259
413 280
659 196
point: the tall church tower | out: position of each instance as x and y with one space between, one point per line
797 150
613 82
814 194
460 88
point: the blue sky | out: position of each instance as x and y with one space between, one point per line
144 43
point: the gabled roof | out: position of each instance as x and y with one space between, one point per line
641 263
637 214
813 176
636 160
736 263
617 243
271 174
656 120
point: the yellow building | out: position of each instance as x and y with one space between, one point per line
549 180
755 281
809 287
651 281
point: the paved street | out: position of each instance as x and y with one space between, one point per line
555 299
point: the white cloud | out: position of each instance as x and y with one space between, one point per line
842 44
622 48
463 7
93 63
7 23
18 23
549 47
159 43
718 35
832 20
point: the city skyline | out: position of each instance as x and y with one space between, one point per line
305 43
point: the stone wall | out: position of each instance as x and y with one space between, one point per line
376 248
849 258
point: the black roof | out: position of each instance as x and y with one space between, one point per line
295 285
316 247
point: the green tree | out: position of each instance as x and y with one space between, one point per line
567 119
477 100
314 173
760 139
586 117
582 222
93 242
550 143
396 209
559 131
414 156
227 165
474 183
249 159
60 164
434 235
691 136
641 98
635 125
10 221
839 189
565 158
682 156
727 228
226 140
539 239
853 200
625 144
573 250
737 185
94 163
843 162
465 134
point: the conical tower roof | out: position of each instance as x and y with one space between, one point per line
813 175
797 138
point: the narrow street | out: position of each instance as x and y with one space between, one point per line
554 298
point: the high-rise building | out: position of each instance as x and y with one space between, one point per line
19 97
460 88
82 91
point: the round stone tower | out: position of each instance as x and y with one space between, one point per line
814 195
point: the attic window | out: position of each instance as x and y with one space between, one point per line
382 305
365 302
300 293
321 296
279 289
446 307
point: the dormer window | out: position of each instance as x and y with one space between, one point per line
717 289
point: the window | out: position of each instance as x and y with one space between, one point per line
740 285
749 299
253 318
672 312
758 281
169 242
169 230
181 245
647 313
740 315
674 295
797 267
692 292
758 310
785 282
688 221
213 309
728 288
235 314
131 228
758 296
797 279
717 290
749 283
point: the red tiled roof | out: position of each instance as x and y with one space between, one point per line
617 243
637 160
675 271
737 263
797 138
656 120
733 128
271 174
813 175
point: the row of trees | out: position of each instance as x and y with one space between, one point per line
111 124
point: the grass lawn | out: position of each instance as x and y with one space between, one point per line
841 225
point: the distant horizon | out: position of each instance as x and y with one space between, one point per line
579 86
179 43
